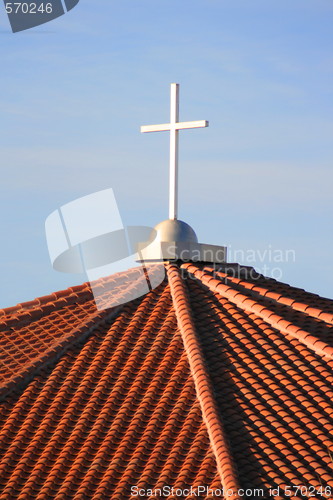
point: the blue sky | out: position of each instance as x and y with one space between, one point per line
74 93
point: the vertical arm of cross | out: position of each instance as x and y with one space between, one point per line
174 143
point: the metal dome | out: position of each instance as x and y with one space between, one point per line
174 230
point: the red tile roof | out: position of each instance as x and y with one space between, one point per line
218 377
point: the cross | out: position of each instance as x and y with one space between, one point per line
174 126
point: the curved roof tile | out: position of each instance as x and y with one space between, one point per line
213 379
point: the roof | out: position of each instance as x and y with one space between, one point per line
218 378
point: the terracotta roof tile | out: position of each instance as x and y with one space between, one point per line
218 378
250 305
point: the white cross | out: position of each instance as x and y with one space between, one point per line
174 126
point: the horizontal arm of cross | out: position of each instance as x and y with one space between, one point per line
174 126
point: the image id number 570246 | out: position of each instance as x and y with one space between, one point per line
28 8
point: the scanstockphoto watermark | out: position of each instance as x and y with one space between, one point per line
88 236
268 261
197 491
301 491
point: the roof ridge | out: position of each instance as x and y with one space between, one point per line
293 291
252 288
247 304
216 432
